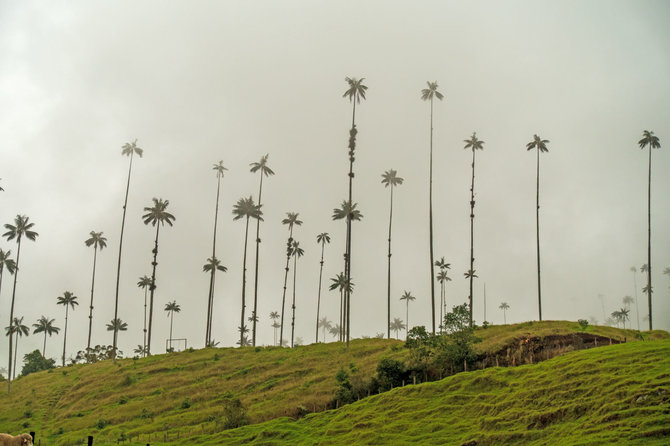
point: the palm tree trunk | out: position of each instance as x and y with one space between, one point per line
295 264
210 300
171 319
283 298
152 288
16 354
118 268
318 299
637 312
441 306
388 275
90 314
258 243
407 319
472 229
537 215
347 269
44 347
339 337
11 314
144 352
649 240
430 220
65 332
244 282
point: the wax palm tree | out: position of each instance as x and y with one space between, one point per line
98 242
130 150
428 94
474 144
144 282
67 300
6 262
296 253
541 146
263 170
324 324
339 282
274 316
637 312
443 278
390 179
171 308
649 140
156 216
19 330
117 325
397 325
407 297
46 326
245 208
336 331
290 220
355 92
212 264
322 239
627 300
140 350
504 306
21 228
210 297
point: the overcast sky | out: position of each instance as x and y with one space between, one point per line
199 82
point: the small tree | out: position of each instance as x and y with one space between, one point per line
35 362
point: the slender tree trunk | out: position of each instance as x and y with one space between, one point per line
283 298
171 319
430 221
258 244
472 231
388 275
537 215
340 337
440 325
144 352
152 288
505 316
244 283
118 268
44 347
637 312
65 332
210 300
11 314
295 264
16 354
347 268
407 319
649 240
90 314
318 299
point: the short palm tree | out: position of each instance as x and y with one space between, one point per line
407 297
649 140
172 308
336 331
67 300
428 94
541 146
504 306
156 216
325 324
21 228
46 326
19 330
264 170
637 312
390 179
245 208
144 282
210 299
296 253
475 144
397 325
212 264
130 150
443 278
98 242
322 239
274 316
339 282
290 220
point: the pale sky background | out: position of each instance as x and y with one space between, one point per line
199 82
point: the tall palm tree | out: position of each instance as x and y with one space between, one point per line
443 278
20 330
117 325
407 297
6 262
172 308
245 208
67 300
652 141
157 216
475 144
428 94
637 312
290 220
46 326
144 282
325 324
397 325
296 253
355 91
98 242
322 239
541 146
264 170
21 228
504 306
212 264
339 283
274 316
390 179
130 150
210 299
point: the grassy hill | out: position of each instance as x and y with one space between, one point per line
182 394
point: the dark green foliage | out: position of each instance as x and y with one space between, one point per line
344 393
234 412
98 353
390 374
101 423
123 399
128 380
185 404
583 323
35 362
28 413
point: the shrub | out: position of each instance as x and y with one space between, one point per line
123 399
185 404
101 423
390 373
583 323
35 362
28 413
234 413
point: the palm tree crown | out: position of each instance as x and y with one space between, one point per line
262 166
356 89
345 210
21 228
46 326
157 214
130 149
6 262
538 143
213 263
649 139
427 94
97 240
390 178
291 219
220 169
246 208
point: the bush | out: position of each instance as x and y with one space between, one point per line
583 323
185 404
390 373
101 423
234 413
35 362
